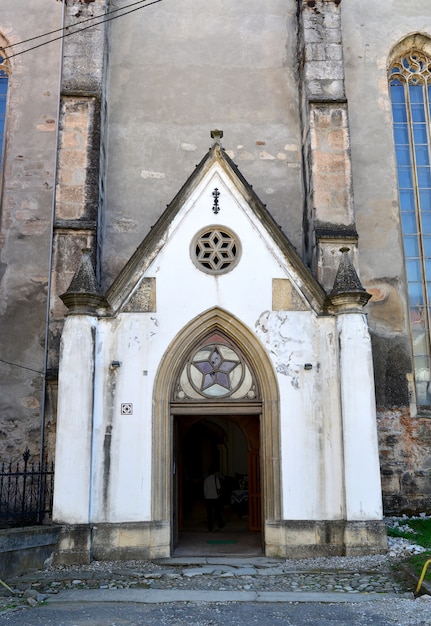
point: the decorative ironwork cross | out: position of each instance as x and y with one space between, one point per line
216 195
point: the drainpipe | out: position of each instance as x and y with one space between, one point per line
50 264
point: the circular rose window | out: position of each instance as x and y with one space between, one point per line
215 250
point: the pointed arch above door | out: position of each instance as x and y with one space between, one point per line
242 341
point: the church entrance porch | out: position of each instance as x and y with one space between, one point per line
229 445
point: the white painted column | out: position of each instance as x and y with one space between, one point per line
72 484
361 456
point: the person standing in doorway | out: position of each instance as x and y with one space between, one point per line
213 500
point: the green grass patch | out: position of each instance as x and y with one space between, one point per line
417 562
422 537
421 534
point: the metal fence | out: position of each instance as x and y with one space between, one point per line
25 492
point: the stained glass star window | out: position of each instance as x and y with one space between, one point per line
215 370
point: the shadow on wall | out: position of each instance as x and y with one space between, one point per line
391 365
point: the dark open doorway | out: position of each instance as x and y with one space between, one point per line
230 444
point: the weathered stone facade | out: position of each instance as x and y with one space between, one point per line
405 461
26 211
104 127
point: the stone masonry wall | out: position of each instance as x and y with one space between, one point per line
329 209
405 461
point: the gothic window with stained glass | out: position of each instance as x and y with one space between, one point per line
4 84
410 88
216 370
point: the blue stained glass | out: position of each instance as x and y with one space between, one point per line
408 221
411 247
426 223
399 113
205 367
405 177
424 176
397 92
3 95
422 155
425 199
420 133
416 294
403 155
414 273
427 245
428 269
416 93
407 200
418 112
227 366
401 134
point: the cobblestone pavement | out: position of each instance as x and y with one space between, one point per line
339 575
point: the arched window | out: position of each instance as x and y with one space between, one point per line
4 81
410 87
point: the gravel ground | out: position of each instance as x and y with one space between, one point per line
343 574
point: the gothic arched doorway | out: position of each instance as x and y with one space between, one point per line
222 380
230 445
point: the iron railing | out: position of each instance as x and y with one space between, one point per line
26 491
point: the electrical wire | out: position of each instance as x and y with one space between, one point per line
58 30
21 366
79 30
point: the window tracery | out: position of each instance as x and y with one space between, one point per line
410 88
215 250
216 370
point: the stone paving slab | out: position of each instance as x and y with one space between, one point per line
208 579
157 596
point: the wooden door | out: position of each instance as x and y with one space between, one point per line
254 494
176 486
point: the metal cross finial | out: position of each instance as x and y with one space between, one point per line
216 195
216 135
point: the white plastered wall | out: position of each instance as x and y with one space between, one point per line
309 399
303 347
